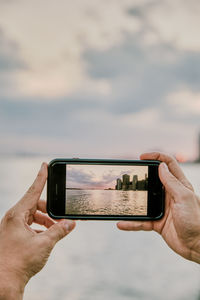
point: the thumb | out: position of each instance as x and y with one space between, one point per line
30 199
59 230
172 185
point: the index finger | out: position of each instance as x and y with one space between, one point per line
135 225
172 165
41 206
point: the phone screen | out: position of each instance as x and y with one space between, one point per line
112 190
103 189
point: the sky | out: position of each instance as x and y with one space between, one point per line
100 177
96 79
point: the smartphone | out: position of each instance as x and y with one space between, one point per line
104 189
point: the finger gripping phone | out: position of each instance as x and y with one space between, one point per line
104 189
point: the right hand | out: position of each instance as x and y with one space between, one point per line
180 226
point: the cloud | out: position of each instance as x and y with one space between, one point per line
83 178
185 103
55 130
68 40
10 64
93 176
140 77
9 54
52 47
79 177
115 78
175 23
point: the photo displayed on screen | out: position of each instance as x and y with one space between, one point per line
106 190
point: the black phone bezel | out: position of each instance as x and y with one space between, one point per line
56 184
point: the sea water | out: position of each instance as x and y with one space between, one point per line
106 202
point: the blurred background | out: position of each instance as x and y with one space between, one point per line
100 79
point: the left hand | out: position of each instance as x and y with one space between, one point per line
23 250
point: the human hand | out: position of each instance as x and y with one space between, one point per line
180 226
23 250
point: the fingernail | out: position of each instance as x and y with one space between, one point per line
42 166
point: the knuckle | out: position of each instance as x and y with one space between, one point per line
140 226
56 233
133 225
10 215
186 195
189 185
32 189
167 158
171 158
61 232
171 180
39 175
46 241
